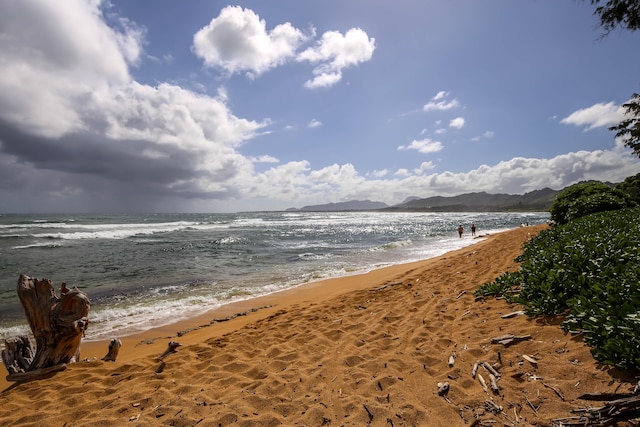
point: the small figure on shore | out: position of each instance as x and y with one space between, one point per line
473 229
460 230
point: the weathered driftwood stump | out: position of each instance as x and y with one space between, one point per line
57 324
114 348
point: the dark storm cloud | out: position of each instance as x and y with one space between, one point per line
98 167
99 156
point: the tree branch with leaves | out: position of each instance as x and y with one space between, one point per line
614 13
629 129
625 14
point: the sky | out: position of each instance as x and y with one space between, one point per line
210 106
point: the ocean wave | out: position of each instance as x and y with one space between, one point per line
43 245
123 231
229 240
34 225
392 245
13 331
14 236
310 256
129 318
248 222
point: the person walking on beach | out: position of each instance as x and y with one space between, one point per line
460 230
473 229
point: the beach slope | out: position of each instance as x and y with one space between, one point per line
369 349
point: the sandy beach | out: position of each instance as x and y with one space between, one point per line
360 350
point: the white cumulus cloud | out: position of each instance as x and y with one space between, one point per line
264 159
440 103
424 146
457 123
68 104
486 135
314 123
50 65
334 52
598 115
238 40
424 166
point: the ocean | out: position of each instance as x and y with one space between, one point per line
144 271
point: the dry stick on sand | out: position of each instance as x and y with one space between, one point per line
452 360
483 383
513 314
509 339
171 348
494 384
474 370
491 369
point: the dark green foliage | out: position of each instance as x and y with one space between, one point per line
624 13
504 285
631 187
586 198
629 128
589 270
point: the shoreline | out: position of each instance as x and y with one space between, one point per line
353 350
249 309
98 331
218 321
244 311
225 307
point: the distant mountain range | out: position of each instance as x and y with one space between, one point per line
538 200
354 205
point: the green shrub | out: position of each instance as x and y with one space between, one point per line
589 270
631 187
505 285
586 198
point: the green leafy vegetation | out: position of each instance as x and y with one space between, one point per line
586 198
589 271
631 187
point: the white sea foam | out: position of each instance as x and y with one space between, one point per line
119 231
129 319
392 245
38 245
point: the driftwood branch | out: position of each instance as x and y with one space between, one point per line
513 314
493 382
171 348
509 339
36 374
603 397
611 413
443 388
491 369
